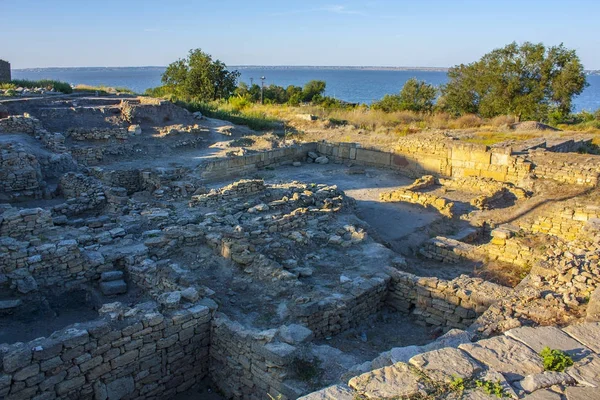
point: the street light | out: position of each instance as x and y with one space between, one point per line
262 88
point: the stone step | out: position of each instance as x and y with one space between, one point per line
7 306
111 276
113 287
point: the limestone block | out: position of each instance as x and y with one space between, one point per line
588 334
586 371
445 364
548 336
120 388
505 355
593 308
388 382
544 394
582 393
546 379
294 334
373 157
113 287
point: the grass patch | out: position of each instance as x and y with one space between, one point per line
48 84
555 360
255 120
491 138
102 89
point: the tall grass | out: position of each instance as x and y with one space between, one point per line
44 83
103 89
255 120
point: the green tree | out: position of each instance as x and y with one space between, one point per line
200 77
526 81
415 95
312 89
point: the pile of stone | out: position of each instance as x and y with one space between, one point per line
81 134
313 157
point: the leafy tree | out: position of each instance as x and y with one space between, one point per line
312 89
415 95
199 77
527 81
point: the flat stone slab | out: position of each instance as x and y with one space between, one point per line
446 364
505 355
550 336
588 334
113 287
544 394
546 379
337 392
393 381
582 393
111 276
587 371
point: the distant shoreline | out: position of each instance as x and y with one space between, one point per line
272 67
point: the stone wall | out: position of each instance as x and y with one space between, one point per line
24 223
80 134
21 124
4 71
83 193
338 313
236 166
444 206
452 304
565 219
58 266
248 363
150 355
19 171
580 169
237 189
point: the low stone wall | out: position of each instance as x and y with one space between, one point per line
81 134
236 166
149 355
247 363
19 171
83 192
579 169
447 250
444 206
59 266
24 223
452 304
565 220
341 312
237 189
87 155
21 124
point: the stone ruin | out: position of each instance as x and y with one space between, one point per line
139 261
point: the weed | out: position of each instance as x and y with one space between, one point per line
491 388
457 384
555 360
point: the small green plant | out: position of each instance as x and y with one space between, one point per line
555 360
44 83
491 388
457 384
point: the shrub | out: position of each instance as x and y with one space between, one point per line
468 121
239 103
44 83
555 360
503 120
415 96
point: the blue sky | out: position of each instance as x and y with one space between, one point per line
43 33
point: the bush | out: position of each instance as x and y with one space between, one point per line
503 120
468 121
239 103
415 96
555 360
44 83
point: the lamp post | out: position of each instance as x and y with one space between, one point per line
262 88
